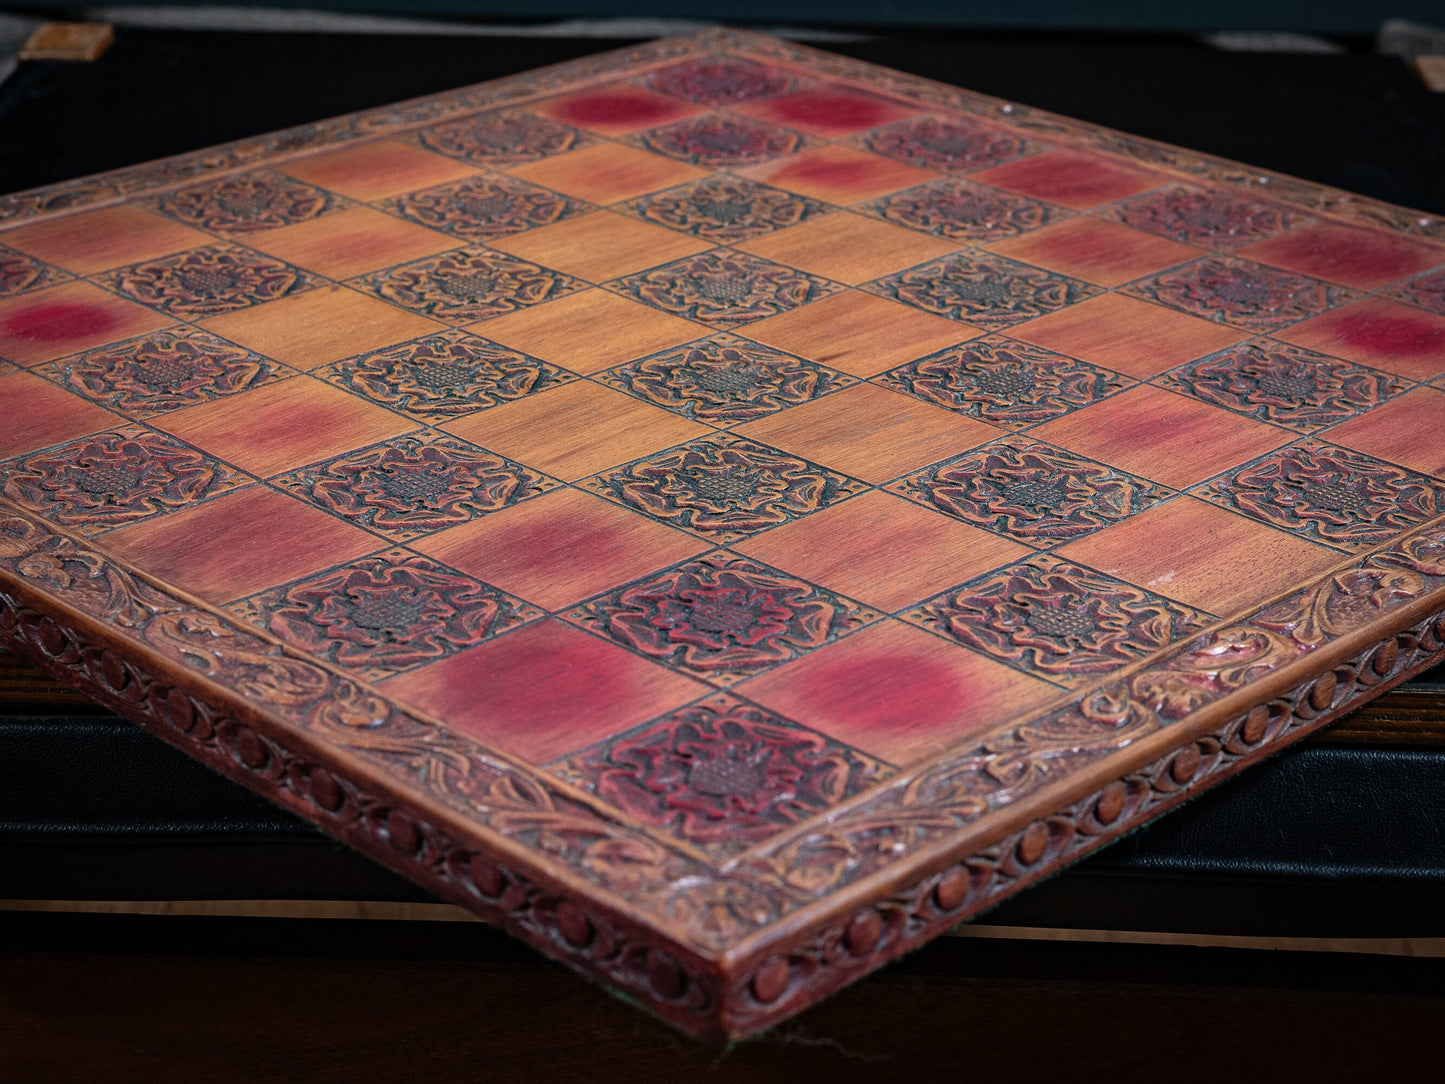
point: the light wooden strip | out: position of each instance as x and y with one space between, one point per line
378 910
81 42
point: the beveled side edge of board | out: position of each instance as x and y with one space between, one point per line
1358 632
128 182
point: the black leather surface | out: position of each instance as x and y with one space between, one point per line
1325 841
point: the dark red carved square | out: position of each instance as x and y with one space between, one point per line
726 210
1330 494
947 143
115 478
721 139
386 614
1287 385
720 80
1240 293
725 380
468 284
724 488
960 210
1031 492
722 773
981 289
1427 291
724 288
408 486
163 371
722 618
482 208
248 202
444 376
209 281
1213 217
1004 382
1057 620
19 273
502 137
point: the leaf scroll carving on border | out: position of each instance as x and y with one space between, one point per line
90 582
1211 666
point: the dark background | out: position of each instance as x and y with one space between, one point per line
1318 16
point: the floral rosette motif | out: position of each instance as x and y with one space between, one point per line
482 208
988 291
1426 292
959 210
247 202
1004 382
725 288
726 210
1057 620
947 143
724 488
718 80
1286 385
415 485
115 478
444 376
725 380
1030 492
722 618
164 371
209 281
1240 293
725 774
19 273
1332 495
386 614
722 140
1209 217
469 284
501 137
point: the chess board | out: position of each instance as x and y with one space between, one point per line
722 511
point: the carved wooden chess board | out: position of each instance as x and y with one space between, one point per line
723 511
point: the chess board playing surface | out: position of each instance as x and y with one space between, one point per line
724 511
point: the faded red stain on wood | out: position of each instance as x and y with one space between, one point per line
1415 336
1074 179
532 548
831 111
1350 256
896 692
617 107
58 321
544 690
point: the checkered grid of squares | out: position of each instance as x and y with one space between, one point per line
572 423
